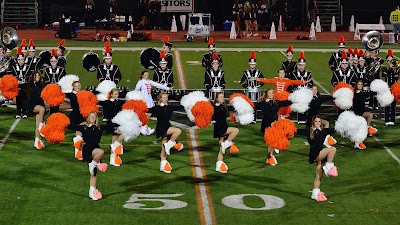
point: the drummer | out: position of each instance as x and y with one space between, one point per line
163 74
62 60
167 49
208 58
214 78
33 61
107 70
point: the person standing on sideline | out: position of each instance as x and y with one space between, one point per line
395 21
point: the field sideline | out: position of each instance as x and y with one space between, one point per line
49 186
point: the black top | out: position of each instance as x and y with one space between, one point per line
52 76
110 72
62 61
75 116
111 108
33 63
207 61
164 76
315 106
359 101
247 75
170 60
163 114
334 61
390 75
214 78
219 116
348 76
22 73
302 75
317 143
33 91
289 67
269 111
363 75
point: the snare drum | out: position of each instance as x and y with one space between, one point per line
253 93
213 92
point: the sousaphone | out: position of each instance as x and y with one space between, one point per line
9 40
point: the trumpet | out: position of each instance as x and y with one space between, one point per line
394 63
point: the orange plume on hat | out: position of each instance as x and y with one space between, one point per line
289 49
162 55
23 43
302 55
390 52
355 51
350 51
211 41
341 39
53 53
166 39
19 51
62 42
361 53
344 55
215 56
252 55
31 43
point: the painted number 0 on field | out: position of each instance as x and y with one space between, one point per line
168 203
236 202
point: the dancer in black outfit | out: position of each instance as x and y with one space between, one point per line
92 153
269 109
35 104
224 133
322 156
169 134
315 106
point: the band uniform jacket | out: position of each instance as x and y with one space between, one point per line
391 75
247 75
52 76
347 76
62 61
334 61
33 63
170 60
207 60
214 78
22 73
362 74
289 67
110 72
7 69
164 77
302 75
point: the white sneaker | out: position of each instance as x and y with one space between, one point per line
40 127
17 117
143 130
95 194
168 146
165 166
327 167
93 168
221 167
276 151
224 145
38 144
150 131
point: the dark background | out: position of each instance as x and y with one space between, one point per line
365 11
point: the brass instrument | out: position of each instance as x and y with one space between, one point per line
372 40
9 40
394 63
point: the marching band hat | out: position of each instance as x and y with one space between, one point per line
361 55
31 46
167 43
389 55
344 57
350 52
23 45
289 49
252 59
341 42
20 54
302 58
211 45
108 53
61 45
54 54
215 58
163 57
355 53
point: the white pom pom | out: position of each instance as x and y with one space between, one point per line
189 100
102 97
351 126
129 124
385 98
343 98
299 107
379 86
106 86
134 95
66 83
301 95
244 119
241 106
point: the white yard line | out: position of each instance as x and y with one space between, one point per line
67 53
179 69
199 175
9 133
387 149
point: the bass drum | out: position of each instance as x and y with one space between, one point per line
150 58
44 59
90 61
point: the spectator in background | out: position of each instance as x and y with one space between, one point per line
254 19
247 18
113 7
395 21
262 16
89 13
236 17
143 14
154 10
312 10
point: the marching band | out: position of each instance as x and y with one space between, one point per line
353 67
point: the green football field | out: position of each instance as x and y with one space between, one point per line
50 186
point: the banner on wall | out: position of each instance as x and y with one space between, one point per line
177 5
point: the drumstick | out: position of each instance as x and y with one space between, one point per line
153 63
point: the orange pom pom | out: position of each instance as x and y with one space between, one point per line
286 126
87 102
281 96
275 138
9 86
284 111
202 112
248 100
343 85
54 129
395 90
52 94
139 107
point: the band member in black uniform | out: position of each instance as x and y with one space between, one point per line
355 59
35 104
269 109
167 50
20 70
322 156
344 73
289 65
92 153
361 71
108 70
163 111
5 61
367 57
350 58
373 73
53 74
359 109
32 59
163 74
62 60
391 76
224 133
208 58
24 49
315 106
214 79
334 61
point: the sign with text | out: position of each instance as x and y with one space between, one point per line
177 5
